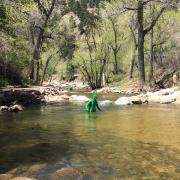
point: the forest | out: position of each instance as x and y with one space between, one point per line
114 41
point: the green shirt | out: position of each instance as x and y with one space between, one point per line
91 105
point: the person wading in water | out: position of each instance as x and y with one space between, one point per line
92 104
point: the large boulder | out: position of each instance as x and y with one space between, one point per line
105 103
24 96
177 96
164 92
140 99
123 101
136 99
15 108
161 99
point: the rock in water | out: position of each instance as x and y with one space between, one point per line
122 101
15 108
3 108
140 99
105 103
68 174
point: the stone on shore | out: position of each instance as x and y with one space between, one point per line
3 108
163 99
15 108
109 90
56 99
78 98
164 92
122 101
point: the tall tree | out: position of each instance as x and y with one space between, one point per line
46 10
142 32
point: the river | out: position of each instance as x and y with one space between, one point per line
133 142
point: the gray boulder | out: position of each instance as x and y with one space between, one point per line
122 101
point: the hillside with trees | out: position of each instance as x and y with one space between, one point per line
97 41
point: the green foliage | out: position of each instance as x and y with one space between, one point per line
3 16
78 36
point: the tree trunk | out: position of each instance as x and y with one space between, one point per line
151 75
132 65
141 44
45 69
34 68
115 62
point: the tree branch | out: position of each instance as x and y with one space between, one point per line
129 8
41 7
154 21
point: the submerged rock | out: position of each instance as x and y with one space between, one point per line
122 101
15 108
67 174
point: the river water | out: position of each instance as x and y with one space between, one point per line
133 142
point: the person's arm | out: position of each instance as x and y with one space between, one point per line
98 106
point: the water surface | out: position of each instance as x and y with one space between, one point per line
133 142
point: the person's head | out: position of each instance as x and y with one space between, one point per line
94 97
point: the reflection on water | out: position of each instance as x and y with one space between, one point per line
135 142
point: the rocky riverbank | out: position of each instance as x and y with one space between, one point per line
14 99
164 96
